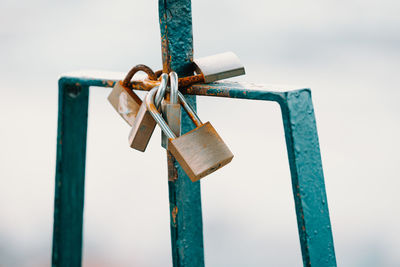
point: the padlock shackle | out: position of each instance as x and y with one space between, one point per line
173 97
149 101
192 114
140 67
151 107
161 90
175 94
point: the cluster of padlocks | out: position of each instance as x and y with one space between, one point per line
200 151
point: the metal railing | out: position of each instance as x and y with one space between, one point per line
185 199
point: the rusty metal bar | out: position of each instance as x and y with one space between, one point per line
184 196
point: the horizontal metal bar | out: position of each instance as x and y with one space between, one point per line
219 89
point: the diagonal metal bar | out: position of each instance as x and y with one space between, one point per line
307 179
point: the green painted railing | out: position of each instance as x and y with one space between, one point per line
185 200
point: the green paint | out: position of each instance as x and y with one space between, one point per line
70 174
305 163
184 195
185 201
304 159
308 180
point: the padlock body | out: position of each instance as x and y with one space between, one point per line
200 151
172 115
219 67
142 129
125 102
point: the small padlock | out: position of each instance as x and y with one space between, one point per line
123 99
208 69
144 124
219 67
200 151
125 102
171 110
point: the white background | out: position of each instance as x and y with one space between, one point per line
346 52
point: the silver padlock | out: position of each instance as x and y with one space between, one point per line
219 67
171 110
144 124
200 151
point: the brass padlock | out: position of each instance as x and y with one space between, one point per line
123 99
125 102
200 151
171 110
144 124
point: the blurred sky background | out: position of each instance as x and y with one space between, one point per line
347 52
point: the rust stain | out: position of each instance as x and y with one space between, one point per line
172 171
140 67
190 80
143 85
174 213
148 84
165 53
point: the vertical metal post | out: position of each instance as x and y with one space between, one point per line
308 180
70 174
184 195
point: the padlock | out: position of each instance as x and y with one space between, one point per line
200 151
171 110
144 124
208 69
219 67
125 102
123 99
